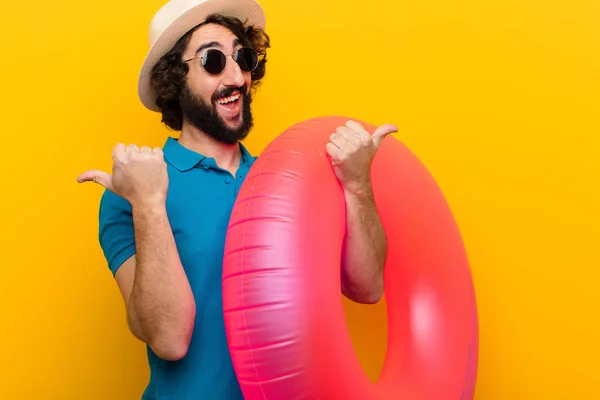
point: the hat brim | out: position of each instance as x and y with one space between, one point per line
248 11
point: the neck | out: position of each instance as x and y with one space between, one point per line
227 156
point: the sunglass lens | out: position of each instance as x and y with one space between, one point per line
213 61
247 59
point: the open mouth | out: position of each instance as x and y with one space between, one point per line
230 102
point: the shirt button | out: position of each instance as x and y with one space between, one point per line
227 181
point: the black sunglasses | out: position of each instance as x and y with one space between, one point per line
214 61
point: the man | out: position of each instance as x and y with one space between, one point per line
164 215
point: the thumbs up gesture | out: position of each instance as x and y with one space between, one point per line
139 175
352 150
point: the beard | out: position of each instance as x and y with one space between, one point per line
205 117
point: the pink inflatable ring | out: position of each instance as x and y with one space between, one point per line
282 300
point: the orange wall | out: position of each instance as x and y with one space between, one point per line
498 98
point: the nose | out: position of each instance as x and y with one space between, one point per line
233 74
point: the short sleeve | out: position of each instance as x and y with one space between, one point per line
116 233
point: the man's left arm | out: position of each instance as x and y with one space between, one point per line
352 150
365 249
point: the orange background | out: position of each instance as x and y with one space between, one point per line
498 98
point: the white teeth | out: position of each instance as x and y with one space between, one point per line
228 99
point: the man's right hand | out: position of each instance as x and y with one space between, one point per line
139 175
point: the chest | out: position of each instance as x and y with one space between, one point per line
199 206
199 212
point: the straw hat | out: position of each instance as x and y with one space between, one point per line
175 19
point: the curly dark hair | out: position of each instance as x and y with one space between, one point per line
168 77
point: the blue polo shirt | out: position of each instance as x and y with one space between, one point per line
199 204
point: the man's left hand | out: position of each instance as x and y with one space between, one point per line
352 150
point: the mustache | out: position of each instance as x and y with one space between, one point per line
229 91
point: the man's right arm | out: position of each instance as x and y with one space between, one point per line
159 301
138 243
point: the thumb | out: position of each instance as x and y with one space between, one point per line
381 132
100 177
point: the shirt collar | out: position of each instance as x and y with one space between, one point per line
185 159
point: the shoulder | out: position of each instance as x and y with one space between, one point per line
112 207
116 230
111 200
